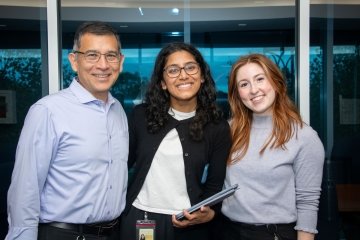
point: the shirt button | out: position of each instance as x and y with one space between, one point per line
186 154
110 186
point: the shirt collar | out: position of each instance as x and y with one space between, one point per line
84 95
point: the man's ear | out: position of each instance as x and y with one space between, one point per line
122 59
73 61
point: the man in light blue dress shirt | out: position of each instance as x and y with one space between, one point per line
70 174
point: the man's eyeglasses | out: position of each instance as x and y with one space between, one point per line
93 56
174 71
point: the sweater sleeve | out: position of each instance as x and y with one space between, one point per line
308 168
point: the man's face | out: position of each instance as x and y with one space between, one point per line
97 76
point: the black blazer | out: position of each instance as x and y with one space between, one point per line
212 151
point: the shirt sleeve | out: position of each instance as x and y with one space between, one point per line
33 156
308 169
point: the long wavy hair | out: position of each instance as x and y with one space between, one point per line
158 100
285 114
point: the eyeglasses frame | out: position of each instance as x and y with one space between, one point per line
105 54
182 68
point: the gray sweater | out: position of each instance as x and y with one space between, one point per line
280 186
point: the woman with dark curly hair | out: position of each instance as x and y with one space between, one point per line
179 143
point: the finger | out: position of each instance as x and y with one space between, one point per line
204 209
179 224
189 216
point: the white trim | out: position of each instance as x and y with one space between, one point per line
8 106
53 45
303 73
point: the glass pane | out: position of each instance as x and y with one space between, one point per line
23 47
222 30
335 108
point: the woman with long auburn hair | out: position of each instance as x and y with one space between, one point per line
275 158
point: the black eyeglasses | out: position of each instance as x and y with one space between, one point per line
174 71
93 56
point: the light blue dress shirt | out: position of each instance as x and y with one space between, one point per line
71 163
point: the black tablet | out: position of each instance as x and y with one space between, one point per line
214 199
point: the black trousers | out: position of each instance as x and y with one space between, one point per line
46 232
164 228
242 231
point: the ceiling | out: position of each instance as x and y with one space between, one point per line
170 3
141 16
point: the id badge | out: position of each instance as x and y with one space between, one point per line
145 229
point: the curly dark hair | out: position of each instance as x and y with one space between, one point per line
158 100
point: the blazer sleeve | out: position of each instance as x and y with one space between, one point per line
219 151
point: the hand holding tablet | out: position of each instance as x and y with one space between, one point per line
214 199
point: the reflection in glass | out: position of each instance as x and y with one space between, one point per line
222 30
